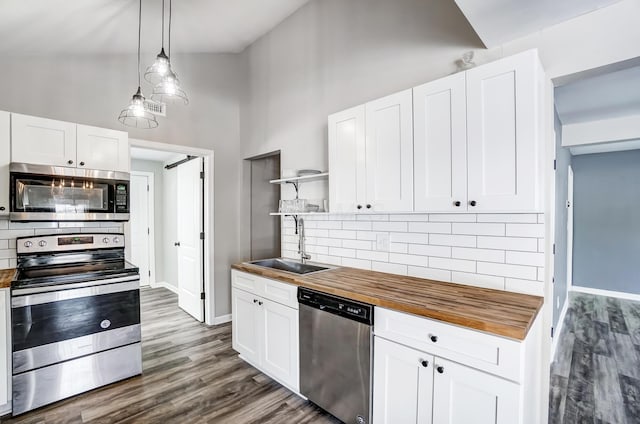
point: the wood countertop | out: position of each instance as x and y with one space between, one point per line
6 276
494 311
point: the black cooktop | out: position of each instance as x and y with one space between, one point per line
48 275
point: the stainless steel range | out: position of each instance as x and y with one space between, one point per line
75 317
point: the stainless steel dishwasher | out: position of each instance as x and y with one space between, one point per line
335 354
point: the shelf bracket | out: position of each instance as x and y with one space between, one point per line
296 186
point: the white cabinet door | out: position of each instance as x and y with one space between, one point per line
280 342
101 148
389 153
347 174
440 145
462 395
5 348
42 141
5 159
402 384
502 128
246 326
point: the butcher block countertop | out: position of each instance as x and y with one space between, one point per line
6 276
493 311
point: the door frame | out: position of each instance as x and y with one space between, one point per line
210 317
569 205
151 240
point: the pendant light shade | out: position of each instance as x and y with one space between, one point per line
169 90
135 115
157 71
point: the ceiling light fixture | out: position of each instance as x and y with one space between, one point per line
135 115
168 89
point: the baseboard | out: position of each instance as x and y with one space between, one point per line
165 285
609 293
558 330
223 319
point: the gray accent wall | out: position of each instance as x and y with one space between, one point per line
607 221
563 161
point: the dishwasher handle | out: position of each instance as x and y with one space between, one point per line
346 308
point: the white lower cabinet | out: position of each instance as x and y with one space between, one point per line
5 350
265 331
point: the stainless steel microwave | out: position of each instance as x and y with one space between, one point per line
58 193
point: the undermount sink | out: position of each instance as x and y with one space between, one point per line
289 266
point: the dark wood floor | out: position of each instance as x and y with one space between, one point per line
191 375
596 376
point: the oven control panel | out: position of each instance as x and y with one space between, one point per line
68 242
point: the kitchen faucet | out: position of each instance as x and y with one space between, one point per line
301 244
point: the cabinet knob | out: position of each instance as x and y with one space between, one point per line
70 162
424 363
177 244
434 338
368 206
359 206
81 163
2 208
259 303
457 203
255 300
473 203
440 369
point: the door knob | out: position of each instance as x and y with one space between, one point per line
473 203
457 203
176 243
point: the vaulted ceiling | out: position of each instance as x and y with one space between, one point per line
41 27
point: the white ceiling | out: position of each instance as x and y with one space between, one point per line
154 155
37 27
604 96
499 21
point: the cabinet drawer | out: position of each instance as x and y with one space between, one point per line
283 293
482 351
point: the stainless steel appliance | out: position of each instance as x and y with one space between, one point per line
58 193
75 317
335 354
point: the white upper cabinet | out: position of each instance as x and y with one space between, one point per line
389 153
440 144
462 395
5 159
42 141
347 171
504 131
100 148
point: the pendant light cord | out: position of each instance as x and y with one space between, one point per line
163 24
139 35
169 46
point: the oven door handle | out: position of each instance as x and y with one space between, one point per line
59 295
58 287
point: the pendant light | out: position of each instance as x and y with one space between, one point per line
156 72
135 115
168 90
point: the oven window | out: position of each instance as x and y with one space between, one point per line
61 195
45 323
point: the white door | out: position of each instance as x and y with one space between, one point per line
246 325
346 160
503 135
280 341
569 227
140 226
42 141
402 384
389 153
190 273
100 148
440 145
463 395
5 159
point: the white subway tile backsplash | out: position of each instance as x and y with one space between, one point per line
453 217
325 241
398 247
452 240
540 273
410 217
4 244
525 230
357 244
430 250
318 250
535 288
327 259
329 225
430 227
541 245
339 251
357 225
373 255
479 229
429 273
540 218
9 234
452 264
356 263
400 258
4 224
338 217
341 234
4 264
507 270
486 255
366 235
29 225
8 253
416 238
389 268
316 232
367 217
525 258
526 218
389 226
508 243
486 281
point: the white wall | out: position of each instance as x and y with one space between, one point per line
94 89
